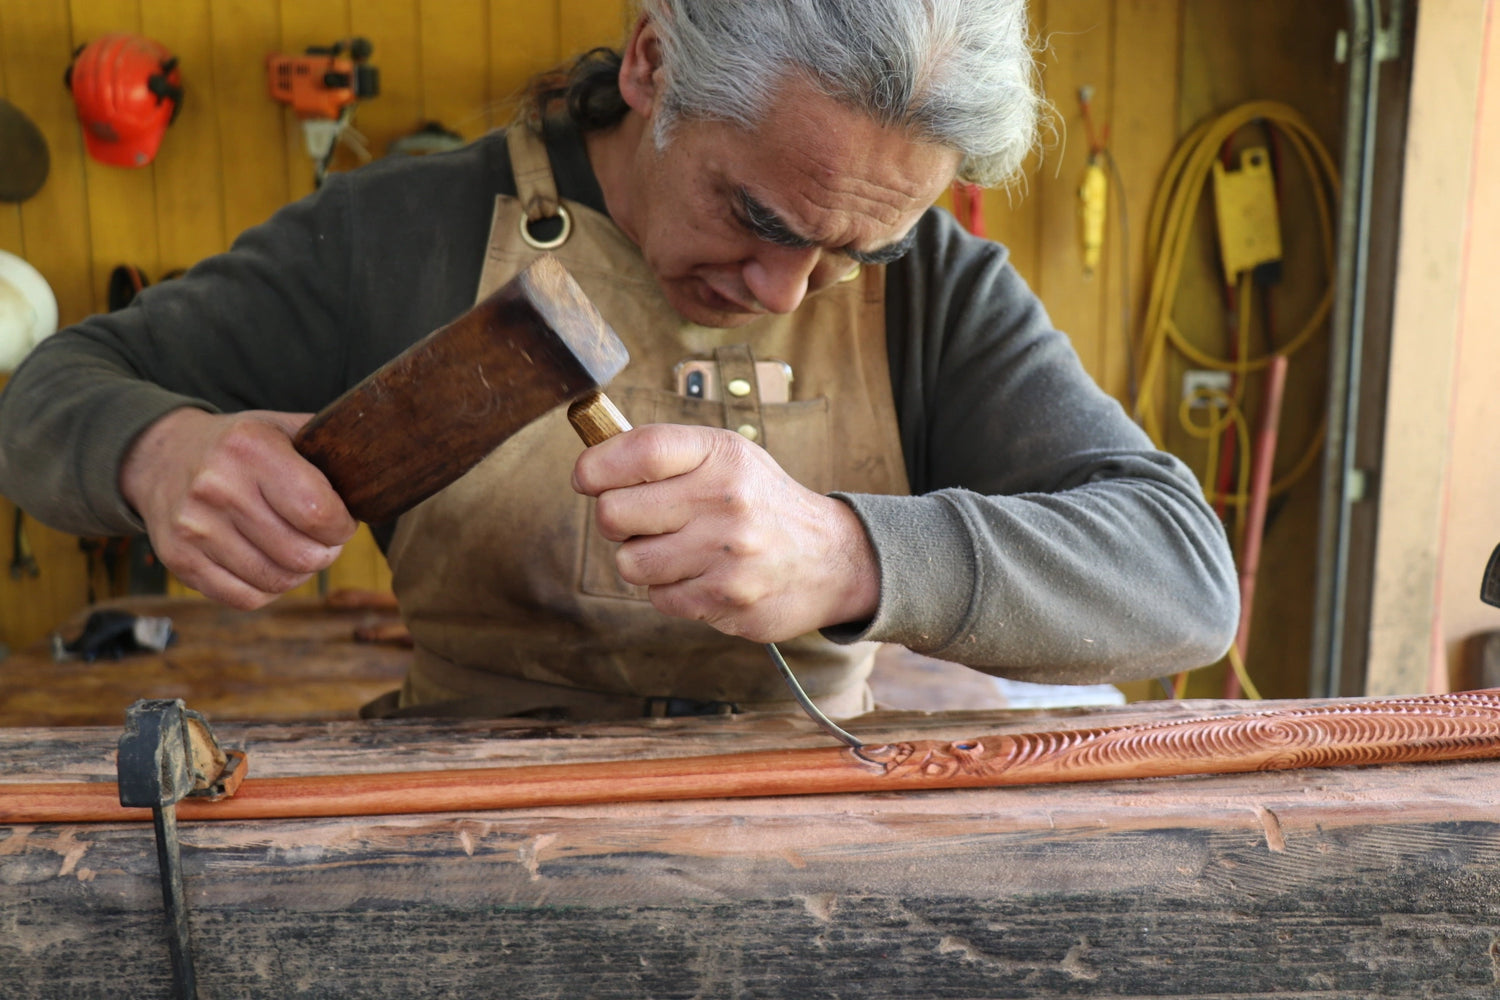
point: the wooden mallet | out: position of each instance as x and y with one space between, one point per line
433 412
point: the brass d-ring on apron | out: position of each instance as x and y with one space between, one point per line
539 243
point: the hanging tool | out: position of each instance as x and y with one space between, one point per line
28 309
1489 588
22 560
1093 194
968 206
1093 191
24 158
166 754
1248 214
323 87
432 137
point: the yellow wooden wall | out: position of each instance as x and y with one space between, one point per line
234 156
1158 68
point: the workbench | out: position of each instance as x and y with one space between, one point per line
1332 883
296 660
306 659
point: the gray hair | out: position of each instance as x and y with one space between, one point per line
960 73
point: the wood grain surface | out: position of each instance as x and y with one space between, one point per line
1322 883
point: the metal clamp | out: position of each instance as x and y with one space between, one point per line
168 753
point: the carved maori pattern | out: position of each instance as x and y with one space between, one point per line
1350 733
1438 727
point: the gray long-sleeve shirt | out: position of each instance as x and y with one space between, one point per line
1045 540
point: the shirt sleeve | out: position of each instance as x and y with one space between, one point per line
1047 540
252 328
299 309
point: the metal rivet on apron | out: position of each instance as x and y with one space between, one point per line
749 431
738 387
852 274
554 242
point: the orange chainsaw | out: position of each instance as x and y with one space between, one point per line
323 87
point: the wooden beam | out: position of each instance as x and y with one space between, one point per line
1336 884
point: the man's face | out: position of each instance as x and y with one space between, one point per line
738 223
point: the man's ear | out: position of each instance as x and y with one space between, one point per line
640 68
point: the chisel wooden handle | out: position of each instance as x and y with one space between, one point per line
596 418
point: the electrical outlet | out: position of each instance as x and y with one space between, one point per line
1203 378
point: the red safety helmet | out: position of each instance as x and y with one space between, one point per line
127 90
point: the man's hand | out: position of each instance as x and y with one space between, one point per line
231 508
719 533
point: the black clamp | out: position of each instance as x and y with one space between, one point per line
168 753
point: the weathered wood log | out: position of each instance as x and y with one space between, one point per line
1358 732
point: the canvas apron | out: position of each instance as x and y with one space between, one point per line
510 592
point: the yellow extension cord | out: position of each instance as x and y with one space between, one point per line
1168 239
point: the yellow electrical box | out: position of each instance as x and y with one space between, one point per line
1245 205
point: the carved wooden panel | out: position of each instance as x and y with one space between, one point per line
1429 728
1339 734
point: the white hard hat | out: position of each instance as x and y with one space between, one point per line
28 309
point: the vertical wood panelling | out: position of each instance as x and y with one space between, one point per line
28 600
189 186
121 201
523 42
10 215
455 64
391 26
1282 52
1078 54
254 154
10 224
1011 216
34 48
1144 95
37 46
583 24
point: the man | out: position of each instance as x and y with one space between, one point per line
744 182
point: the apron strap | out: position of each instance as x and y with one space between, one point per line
536 190
739 388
